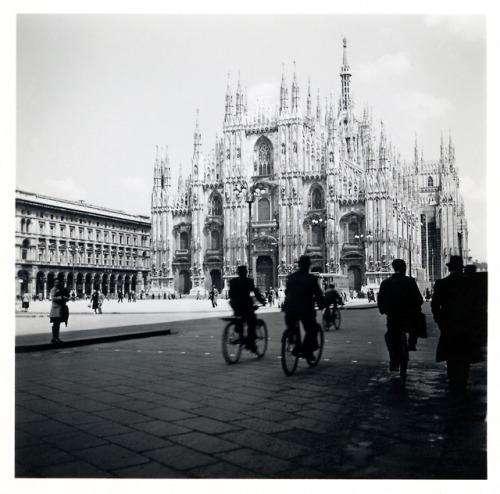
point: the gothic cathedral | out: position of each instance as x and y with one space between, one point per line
287 181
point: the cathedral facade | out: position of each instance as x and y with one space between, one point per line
285 181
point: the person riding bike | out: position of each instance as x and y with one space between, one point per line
241 301
301 293
332 297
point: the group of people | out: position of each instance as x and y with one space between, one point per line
459 315
458 307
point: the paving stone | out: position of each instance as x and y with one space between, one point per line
151 470
40 455
261 464
207 425
266 443
70 441
160 428
74 469
125 417
221 470
104 428
138 441
167 413
180 458
110 457
204 442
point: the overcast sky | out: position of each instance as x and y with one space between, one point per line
97 93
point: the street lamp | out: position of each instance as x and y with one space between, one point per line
321 222
249 194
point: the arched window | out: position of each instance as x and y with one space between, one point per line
23 221
24 249
184 241
264 156
353 231
264 210
316 235
215 240
215 206
317 199
430 182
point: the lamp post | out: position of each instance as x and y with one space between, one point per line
250 196
363 239
321 222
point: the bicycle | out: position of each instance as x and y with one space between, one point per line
235 335
331 318
290 341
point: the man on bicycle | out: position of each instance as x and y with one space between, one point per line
332 297
400 299
301 293
241 301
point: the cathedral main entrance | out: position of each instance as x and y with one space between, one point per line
264 274
354 277
184 282
216 279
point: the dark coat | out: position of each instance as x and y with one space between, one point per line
400 298
302 292
240 297
452 307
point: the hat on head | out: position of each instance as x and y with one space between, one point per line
304 261
456 263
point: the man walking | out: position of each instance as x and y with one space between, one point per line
301 293
452 308
400 299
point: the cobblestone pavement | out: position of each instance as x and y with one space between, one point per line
170 407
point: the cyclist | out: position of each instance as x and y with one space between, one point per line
399 298
302 291
332 297
241 301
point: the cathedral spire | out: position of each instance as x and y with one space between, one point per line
318 109
283 94
229 103
345 76
309 102
239 100
197 136
295 92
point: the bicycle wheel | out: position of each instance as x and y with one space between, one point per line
231 343
337 319
289 340
317 354
261 338
403 359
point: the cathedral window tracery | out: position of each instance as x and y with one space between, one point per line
215 206
264 160
316 198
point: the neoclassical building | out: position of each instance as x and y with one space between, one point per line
86 246
287 180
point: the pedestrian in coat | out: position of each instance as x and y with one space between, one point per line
26 302
58 310
400 299
100 301
94 301
452 308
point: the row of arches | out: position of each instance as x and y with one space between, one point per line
82 283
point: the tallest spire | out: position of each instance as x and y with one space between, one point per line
345 76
